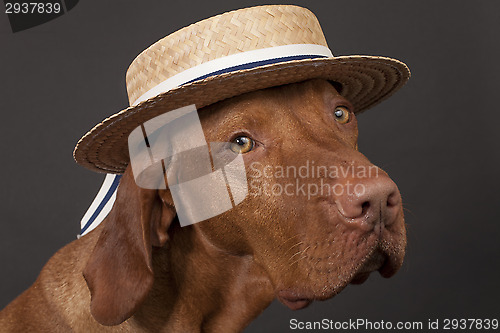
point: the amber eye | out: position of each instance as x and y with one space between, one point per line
341 114
242 145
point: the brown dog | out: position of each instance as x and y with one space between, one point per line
139 270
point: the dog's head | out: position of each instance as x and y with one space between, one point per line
318 215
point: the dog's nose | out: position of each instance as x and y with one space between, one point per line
367 202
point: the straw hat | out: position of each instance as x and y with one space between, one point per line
228 55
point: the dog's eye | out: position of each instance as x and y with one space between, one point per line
242 145
341 114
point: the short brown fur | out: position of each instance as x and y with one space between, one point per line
139 271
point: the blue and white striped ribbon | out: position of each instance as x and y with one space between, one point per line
106 196
101 205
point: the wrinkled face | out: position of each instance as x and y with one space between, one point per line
318 214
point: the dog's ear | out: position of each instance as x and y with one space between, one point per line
119 272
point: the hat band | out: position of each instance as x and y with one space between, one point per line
237 62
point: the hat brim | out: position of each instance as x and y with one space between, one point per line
365 80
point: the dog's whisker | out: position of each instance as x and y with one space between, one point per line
299 259
299 252
282 245
289 239
407 210
297 244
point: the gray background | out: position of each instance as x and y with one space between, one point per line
437 138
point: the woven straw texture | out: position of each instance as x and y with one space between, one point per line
365 80
222 35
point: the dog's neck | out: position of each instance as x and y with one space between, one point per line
224 296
